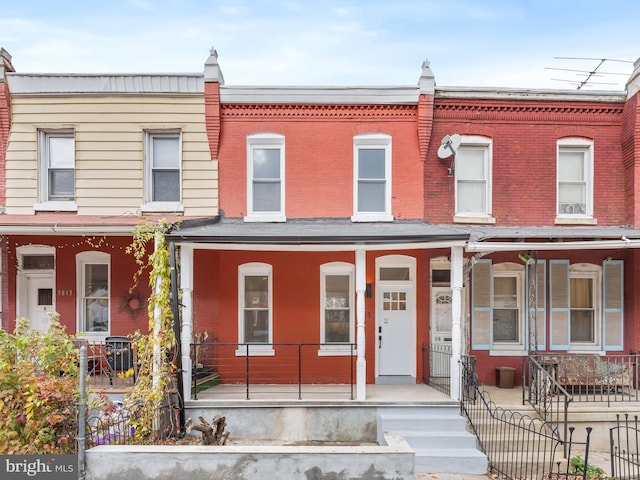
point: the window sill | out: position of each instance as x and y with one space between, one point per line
336 351
515 352
56 207
575 221
372 217
266 217
489 220
162 207
255 351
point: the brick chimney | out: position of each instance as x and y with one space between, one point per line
633 84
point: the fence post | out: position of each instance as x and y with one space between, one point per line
299 371
82 414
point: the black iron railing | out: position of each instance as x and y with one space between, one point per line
549 399
518 447
625 448
440 367
289 369
111 364
594 377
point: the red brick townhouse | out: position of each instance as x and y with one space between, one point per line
346 244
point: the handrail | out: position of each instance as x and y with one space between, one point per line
286 363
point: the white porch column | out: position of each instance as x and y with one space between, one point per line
157 322
361 362
457 321
186 284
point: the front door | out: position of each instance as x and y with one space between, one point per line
39 301
440 331
396 349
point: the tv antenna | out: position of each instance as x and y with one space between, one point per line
448 148
588 74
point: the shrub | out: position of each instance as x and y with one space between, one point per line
38 390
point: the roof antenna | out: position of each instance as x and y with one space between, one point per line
448 148
589 74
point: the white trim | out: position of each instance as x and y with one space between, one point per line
255 269
511 270
326 247
159 207
22 276
486 145
262 141
343 269
57 206
149 202
586 147
383 142
93 258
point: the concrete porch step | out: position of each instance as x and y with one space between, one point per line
450 460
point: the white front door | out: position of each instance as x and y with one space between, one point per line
396 347
39 301
440 331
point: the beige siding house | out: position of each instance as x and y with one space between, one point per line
140 146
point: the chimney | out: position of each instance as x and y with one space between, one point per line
633 84
5 65
212 72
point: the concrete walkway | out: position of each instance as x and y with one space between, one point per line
450 476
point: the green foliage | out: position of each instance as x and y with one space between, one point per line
155 349
593 472
38 390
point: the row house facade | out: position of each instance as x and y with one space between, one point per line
325 218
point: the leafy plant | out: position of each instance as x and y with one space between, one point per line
593 472
38 390
155 348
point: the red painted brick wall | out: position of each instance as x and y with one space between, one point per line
524 135
296 309
122 269
319 157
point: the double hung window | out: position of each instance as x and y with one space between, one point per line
255 309
575 179
162 171
93 287
372 178
337 312
473 179
265 178
56 151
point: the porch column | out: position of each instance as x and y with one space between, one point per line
186 284
157 321
361 362
456 317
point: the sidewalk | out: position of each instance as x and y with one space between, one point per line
450 476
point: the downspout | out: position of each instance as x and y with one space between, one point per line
175 309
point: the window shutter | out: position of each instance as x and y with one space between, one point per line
613 305
560 311
481 305
538 330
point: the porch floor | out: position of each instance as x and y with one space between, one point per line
415 394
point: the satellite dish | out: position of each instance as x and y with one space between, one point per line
450 145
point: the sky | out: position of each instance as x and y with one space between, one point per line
469 43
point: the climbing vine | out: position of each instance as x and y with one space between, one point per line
156 349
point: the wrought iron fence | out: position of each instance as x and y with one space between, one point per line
594 378
543 392
519 447
440 367
625 448
288 369
111 364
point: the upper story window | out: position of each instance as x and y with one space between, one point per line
372 178
265 178
337 312
255 309
93 287
574 175
56 159
473 179
162 171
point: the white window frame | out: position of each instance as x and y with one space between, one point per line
90 258
150 205
510 269
345 269
265 141
381 141
249 270
587 148
486 145
594 272
44 203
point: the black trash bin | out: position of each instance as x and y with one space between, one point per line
119 355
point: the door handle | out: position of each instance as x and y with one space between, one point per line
379 341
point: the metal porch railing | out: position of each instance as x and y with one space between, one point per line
439 367
290 369
625 448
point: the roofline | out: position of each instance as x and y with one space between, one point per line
488 247
114 230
